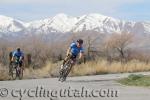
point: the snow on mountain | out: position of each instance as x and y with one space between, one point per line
8 24
62 23
59 23
97 23
146 27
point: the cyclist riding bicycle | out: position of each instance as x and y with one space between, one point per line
74 50
18 54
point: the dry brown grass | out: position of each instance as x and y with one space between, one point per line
30 73
43 72
103 67
3 73
90 68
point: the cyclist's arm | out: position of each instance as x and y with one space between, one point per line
13 55
68 51
21 57
81 55
12 59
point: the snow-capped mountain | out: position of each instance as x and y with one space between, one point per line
63 23
8 26
59 23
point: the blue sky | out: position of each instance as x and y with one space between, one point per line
27 10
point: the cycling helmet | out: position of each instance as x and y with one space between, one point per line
80 41
18 49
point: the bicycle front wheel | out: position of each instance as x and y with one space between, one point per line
13 72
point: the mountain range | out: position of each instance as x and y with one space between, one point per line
62 24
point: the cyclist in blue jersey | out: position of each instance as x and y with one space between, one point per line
75 49
18 54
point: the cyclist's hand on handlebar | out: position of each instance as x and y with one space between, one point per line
67 54
20 59
12 60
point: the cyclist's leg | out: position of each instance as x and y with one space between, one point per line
66 59
74 61
21 64
73 57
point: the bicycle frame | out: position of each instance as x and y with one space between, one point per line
16 70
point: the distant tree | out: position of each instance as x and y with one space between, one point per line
119 42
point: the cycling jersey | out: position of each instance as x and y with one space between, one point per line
18 54
75 50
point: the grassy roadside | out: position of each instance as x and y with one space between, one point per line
3 73
98 67
136 80
104 67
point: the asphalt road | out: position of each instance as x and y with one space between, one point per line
99 87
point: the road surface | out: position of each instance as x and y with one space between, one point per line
99 87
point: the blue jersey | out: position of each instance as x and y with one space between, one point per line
17 54
75 50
